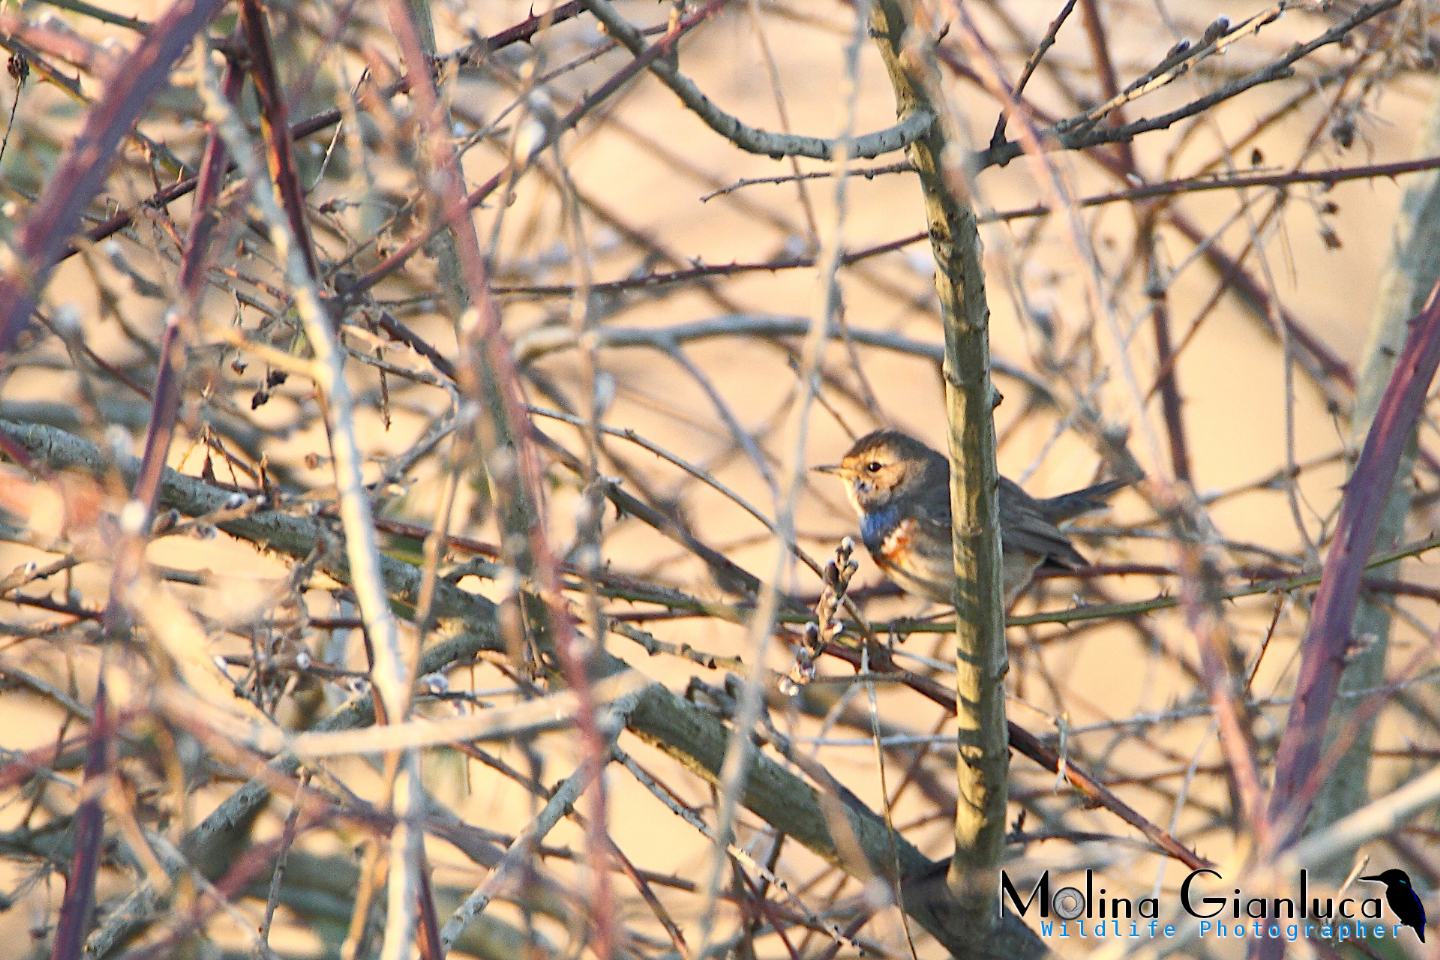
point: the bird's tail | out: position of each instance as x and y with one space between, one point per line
1070 505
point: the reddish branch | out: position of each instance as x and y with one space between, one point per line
174 344
275 128
81 173
1298 771
89 830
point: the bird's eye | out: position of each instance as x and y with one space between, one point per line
873 466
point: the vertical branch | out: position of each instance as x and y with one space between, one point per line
275 128
89 826
1297 767
1105 67
983 762
490 381
760 631
174 344
1167 378
1414 268
405 899
390 669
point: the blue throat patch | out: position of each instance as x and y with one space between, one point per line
875 525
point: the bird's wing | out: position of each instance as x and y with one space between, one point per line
1027 530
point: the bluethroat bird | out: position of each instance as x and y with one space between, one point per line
901 489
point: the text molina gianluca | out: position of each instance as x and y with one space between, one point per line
1196 898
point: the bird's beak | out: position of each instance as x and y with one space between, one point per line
1371 879
827 468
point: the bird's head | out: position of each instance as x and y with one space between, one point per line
884 466
1389 877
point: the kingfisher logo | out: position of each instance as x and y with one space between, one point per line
1220 910
1402 899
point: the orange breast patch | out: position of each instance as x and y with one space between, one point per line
895 548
